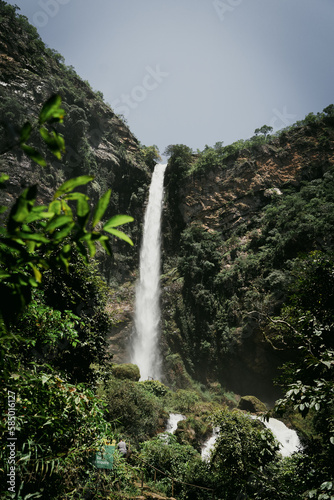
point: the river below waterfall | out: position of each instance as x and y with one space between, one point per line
172 422
287 438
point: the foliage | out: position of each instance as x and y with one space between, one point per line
265 130
57 427
170 457
126 371
33 232
185 400
199 263
46 333
134 411
243 448
151 156
155 387
306 323
82 292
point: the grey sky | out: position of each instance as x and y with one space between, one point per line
197 71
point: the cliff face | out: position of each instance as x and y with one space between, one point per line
235 219
234 258
97 141
225 197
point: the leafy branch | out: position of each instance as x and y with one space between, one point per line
39 237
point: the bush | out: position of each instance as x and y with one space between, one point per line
126 371
133 410
243 449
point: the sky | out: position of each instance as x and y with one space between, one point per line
196 72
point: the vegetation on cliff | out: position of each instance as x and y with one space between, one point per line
264 278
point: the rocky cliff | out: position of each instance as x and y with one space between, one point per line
97 141
236 218
239 220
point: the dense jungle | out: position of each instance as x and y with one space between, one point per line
247 298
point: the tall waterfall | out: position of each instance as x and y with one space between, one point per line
145 350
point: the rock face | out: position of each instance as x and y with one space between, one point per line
97 141
230 196
210 289
215 312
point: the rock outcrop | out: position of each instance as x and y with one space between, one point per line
97 141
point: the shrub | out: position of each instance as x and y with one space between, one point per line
134 411
126 371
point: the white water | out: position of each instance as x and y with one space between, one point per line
208 445
146 353
172 422
287 438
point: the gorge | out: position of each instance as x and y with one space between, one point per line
244 287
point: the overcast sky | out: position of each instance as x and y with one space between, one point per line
196 72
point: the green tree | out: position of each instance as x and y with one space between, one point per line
58 424
134 410
151 156
264 130
305 327
170 457
243 448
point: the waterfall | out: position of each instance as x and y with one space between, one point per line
209 444
145 351
173 420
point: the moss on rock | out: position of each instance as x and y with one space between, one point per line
252 404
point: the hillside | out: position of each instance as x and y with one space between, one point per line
97 141
237 219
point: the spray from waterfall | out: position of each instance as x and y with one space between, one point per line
145 348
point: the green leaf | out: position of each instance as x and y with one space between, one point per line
54 141
117 220
119 234
75 196
60 235
4 274
101 207
91 248
22 207
55 207
58 221
25 132
66 249
104 240
37 274
34 237
32 217
69 185
82 207
34 154
3 178
52 110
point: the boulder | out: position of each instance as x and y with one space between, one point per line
251 404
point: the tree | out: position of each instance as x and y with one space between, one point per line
57 425
151 156
244 447
265 130
305 326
